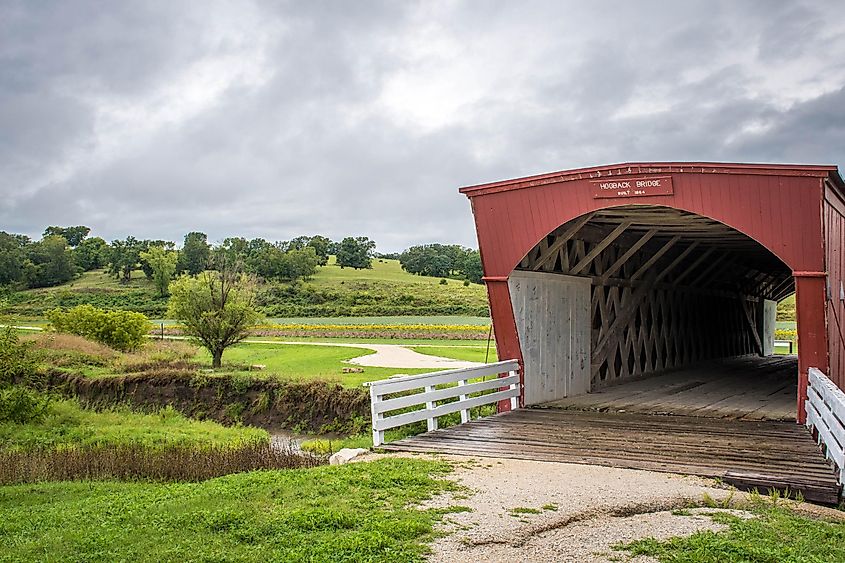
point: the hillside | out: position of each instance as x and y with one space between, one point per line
385 290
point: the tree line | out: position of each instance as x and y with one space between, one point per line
63 253
442 261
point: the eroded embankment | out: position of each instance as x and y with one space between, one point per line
312 406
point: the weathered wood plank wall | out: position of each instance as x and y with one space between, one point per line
552 315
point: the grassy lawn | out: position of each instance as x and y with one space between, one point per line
304 362
476 353
355 512
66 424
399 341
775 535
407 320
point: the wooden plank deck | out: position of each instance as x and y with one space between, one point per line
747 388
748 454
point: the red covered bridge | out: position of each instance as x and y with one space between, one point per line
632 290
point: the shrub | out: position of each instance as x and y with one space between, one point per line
122 330
16 361
20 405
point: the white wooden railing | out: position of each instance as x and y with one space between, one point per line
826 414
430 395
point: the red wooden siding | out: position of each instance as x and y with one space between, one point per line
834 224
779 206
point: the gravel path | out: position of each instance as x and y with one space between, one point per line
582 511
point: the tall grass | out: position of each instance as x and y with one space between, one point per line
138 462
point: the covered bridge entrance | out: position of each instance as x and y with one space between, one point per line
651 289
601 276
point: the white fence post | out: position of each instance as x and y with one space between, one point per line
825 406
398 395
375 399
429 406
464 412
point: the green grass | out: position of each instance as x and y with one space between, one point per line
304 362
775 535
477 353
405 320
424 342
384 290
354 512
67 424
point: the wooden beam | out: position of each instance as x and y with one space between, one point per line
561 240
614 234
704 255
655 257
631 306
665 271
746 308
628 253
718 260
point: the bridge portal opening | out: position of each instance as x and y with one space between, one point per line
653 309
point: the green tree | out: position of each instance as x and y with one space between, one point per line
146 245
196 253
300 263
321 245
124 256
12 258
436 260
51 262
217 308
73 235
356 253
163 265
470 266
91 254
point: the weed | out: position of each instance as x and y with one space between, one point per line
519 510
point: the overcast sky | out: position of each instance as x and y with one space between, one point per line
275 119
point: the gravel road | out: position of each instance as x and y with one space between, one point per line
582 510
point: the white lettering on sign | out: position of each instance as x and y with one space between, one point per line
631 187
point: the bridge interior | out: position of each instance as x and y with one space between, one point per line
668 289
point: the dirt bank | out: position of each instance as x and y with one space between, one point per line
313 406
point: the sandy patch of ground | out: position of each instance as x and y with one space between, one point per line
537 511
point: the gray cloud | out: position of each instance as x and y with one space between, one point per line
276 119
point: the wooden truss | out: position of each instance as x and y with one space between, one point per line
668 288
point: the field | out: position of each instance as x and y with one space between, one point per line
356 512
385 291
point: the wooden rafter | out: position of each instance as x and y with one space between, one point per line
655 257
553 248
628 254
596 250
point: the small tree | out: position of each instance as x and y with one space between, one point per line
217 308
163 265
